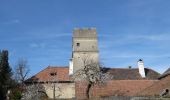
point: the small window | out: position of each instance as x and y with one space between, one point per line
53 73
78 44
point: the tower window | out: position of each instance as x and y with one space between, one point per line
78 44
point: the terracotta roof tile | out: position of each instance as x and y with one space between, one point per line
56 73
51 74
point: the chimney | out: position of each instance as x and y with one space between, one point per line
130 67
70 67
141 68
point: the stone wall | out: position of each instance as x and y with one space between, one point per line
113 88
158 88
62 90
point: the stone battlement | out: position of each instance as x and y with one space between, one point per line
85 32
93 28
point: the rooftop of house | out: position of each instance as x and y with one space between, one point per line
61 74
52 74
132 74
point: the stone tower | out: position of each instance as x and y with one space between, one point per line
84 47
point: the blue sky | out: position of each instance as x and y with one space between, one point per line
41 31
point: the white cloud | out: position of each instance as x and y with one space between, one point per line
153 37
33 45
14 21
107 41
37 45
153 46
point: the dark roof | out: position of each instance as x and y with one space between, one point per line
166 73
131 74
51 73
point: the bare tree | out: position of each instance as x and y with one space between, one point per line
34 91
21 70
30 91
92 73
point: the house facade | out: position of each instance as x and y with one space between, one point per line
56 81
126 82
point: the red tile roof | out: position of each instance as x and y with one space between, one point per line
51 73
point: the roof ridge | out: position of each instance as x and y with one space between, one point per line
167 71
58 66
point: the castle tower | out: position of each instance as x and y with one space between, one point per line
84 48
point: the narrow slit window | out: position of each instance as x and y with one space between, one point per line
78 44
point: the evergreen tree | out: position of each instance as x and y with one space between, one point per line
5 74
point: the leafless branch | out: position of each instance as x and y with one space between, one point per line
21 70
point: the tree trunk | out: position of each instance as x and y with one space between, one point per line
88 90
54 91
